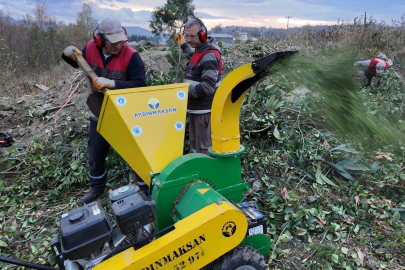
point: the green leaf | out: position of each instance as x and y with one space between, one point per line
301 231
397 215
276 133
3 244
344 250
73 165
356 167
285 238
327 181
335 258
353 254
300 214
312 198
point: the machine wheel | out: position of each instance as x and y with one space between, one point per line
241 258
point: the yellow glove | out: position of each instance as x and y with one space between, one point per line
100 83
178 36
70 51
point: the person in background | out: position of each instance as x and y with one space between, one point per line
118 66
204 75
374 67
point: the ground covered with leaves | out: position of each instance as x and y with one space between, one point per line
333 194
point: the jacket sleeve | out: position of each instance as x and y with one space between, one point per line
364 63
187 50
136 75
209 64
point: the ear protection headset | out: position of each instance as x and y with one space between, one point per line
100 40
202 34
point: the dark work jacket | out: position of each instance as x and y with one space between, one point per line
115 68
126 68
204 74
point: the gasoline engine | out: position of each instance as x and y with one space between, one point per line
88 234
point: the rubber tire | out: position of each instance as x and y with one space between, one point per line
240 256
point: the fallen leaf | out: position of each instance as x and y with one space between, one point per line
326 144
357 199
42 87
284 194
321 221
360 255
347 220
389 202
381 155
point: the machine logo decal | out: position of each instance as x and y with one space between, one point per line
181 95
121 101
155 112
229 229
137 131
178 252
179 125
153 103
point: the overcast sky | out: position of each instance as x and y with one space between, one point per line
260 13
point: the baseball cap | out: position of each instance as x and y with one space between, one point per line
113 30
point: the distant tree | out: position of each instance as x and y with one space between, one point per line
86 23
217 29
40 14
172 15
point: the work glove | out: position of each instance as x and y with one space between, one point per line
178 37
69 51
100 83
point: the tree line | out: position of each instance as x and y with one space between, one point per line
36 43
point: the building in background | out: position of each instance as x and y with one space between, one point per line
225 38
243 36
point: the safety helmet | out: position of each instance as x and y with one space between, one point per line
5 140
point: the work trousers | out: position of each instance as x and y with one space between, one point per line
200 132
97 150
369 77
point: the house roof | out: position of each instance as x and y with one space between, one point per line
220 35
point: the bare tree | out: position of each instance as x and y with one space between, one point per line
86 23
40 14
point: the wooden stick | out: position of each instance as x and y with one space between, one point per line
89 73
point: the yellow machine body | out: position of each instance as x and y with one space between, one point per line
145 125
225 114
196 241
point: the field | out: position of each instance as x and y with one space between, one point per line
324 154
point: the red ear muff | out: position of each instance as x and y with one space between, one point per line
99 40
125 32
202 35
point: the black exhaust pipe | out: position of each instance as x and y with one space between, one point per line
26 264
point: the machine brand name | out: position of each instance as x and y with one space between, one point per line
155 112
178 252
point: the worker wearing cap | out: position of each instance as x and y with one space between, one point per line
204 75
374 67
118 66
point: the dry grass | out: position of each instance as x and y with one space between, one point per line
368 36
14 87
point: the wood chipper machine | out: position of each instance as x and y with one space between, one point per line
195 217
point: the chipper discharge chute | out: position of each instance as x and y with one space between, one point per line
195 217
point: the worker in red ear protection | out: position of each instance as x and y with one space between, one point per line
118 66
204 75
